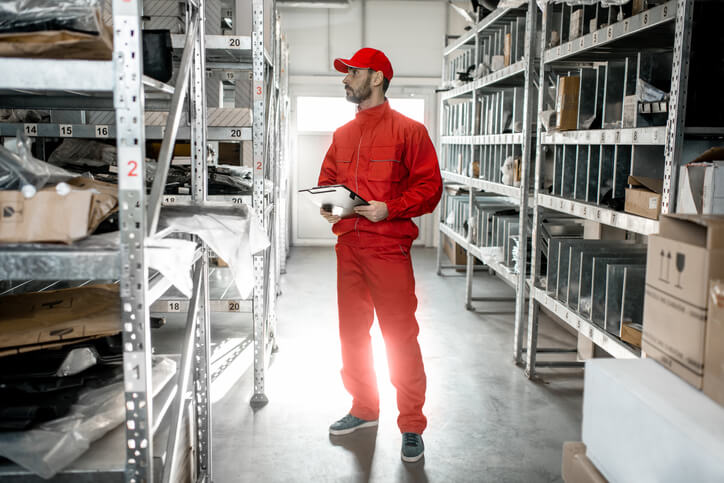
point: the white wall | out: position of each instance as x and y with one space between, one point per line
411 33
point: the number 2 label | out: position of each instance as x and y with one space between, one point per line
133 165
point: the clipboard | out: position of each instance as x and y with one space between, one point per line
337 199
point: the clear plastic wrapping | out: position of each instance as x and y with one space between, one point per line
173 258
39 15
234 235
19 170
52 446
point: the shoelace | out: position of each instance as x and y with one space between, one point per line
349 419
411 439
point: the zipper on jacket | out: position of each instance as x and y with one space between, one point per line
356 178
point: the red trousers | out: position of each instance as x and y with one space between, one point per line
380 279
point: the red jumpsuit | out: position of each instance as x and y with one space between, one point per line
383 156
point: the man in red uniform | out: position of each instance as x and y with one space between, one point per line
389 160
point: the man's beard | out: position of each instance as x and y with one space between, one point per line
360 95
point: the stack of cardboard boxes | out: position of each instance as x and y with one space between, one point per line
683 331
684 307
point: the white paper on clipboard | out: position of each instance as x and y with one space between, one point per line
337 199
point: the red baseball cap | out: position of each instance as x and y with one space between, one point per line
366 58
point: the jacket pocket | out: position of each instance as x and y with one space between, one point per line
343 161
385 164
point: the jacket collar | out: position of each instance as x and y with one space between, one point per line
373 114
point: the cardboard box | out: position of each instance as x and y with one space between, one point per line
644 196
576 25
507 48
701 184
576 467
50 217
714 348
631 334
682 258
455 252
638 6
43 319
59 44
567 103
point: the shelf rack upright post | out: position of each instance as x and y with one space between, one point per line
488 142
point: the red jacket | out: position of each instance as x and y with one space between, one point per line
384 156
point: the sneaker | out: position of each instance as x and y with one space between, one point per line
413 449
349 424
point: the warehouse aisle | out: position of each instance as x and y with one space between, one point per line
487 422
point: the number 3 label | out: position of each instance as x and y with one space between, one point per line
258 91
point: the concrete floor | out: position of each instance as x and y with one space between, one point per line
487 422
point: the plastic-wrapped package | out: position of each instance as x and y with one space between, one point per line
173 258
52 446
39 15
21 171
234 235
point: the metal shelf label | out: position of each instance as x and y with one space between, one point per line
31 129
102 131
66 130
135 376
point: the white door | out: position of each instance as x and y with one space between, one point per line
315 118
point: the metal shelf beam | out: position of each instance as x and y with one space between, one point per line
654 136
486 140
484 185
510 73
588 329
637 24
108 131
482 254
600 214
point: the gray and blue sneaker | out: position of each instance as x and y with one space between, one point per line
413 449
349 424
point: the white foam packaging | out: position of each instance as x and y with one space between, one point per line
643 423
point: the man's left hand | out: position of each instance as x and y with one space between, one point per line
375 211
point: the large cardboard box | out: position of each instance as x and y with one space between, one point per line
682 258
60 44
567 103
644 196
51 217
576 467
701 184
714 349
40 320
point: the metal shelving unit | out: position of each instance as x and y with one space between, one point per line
483 122
618 132
611 45
119 85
